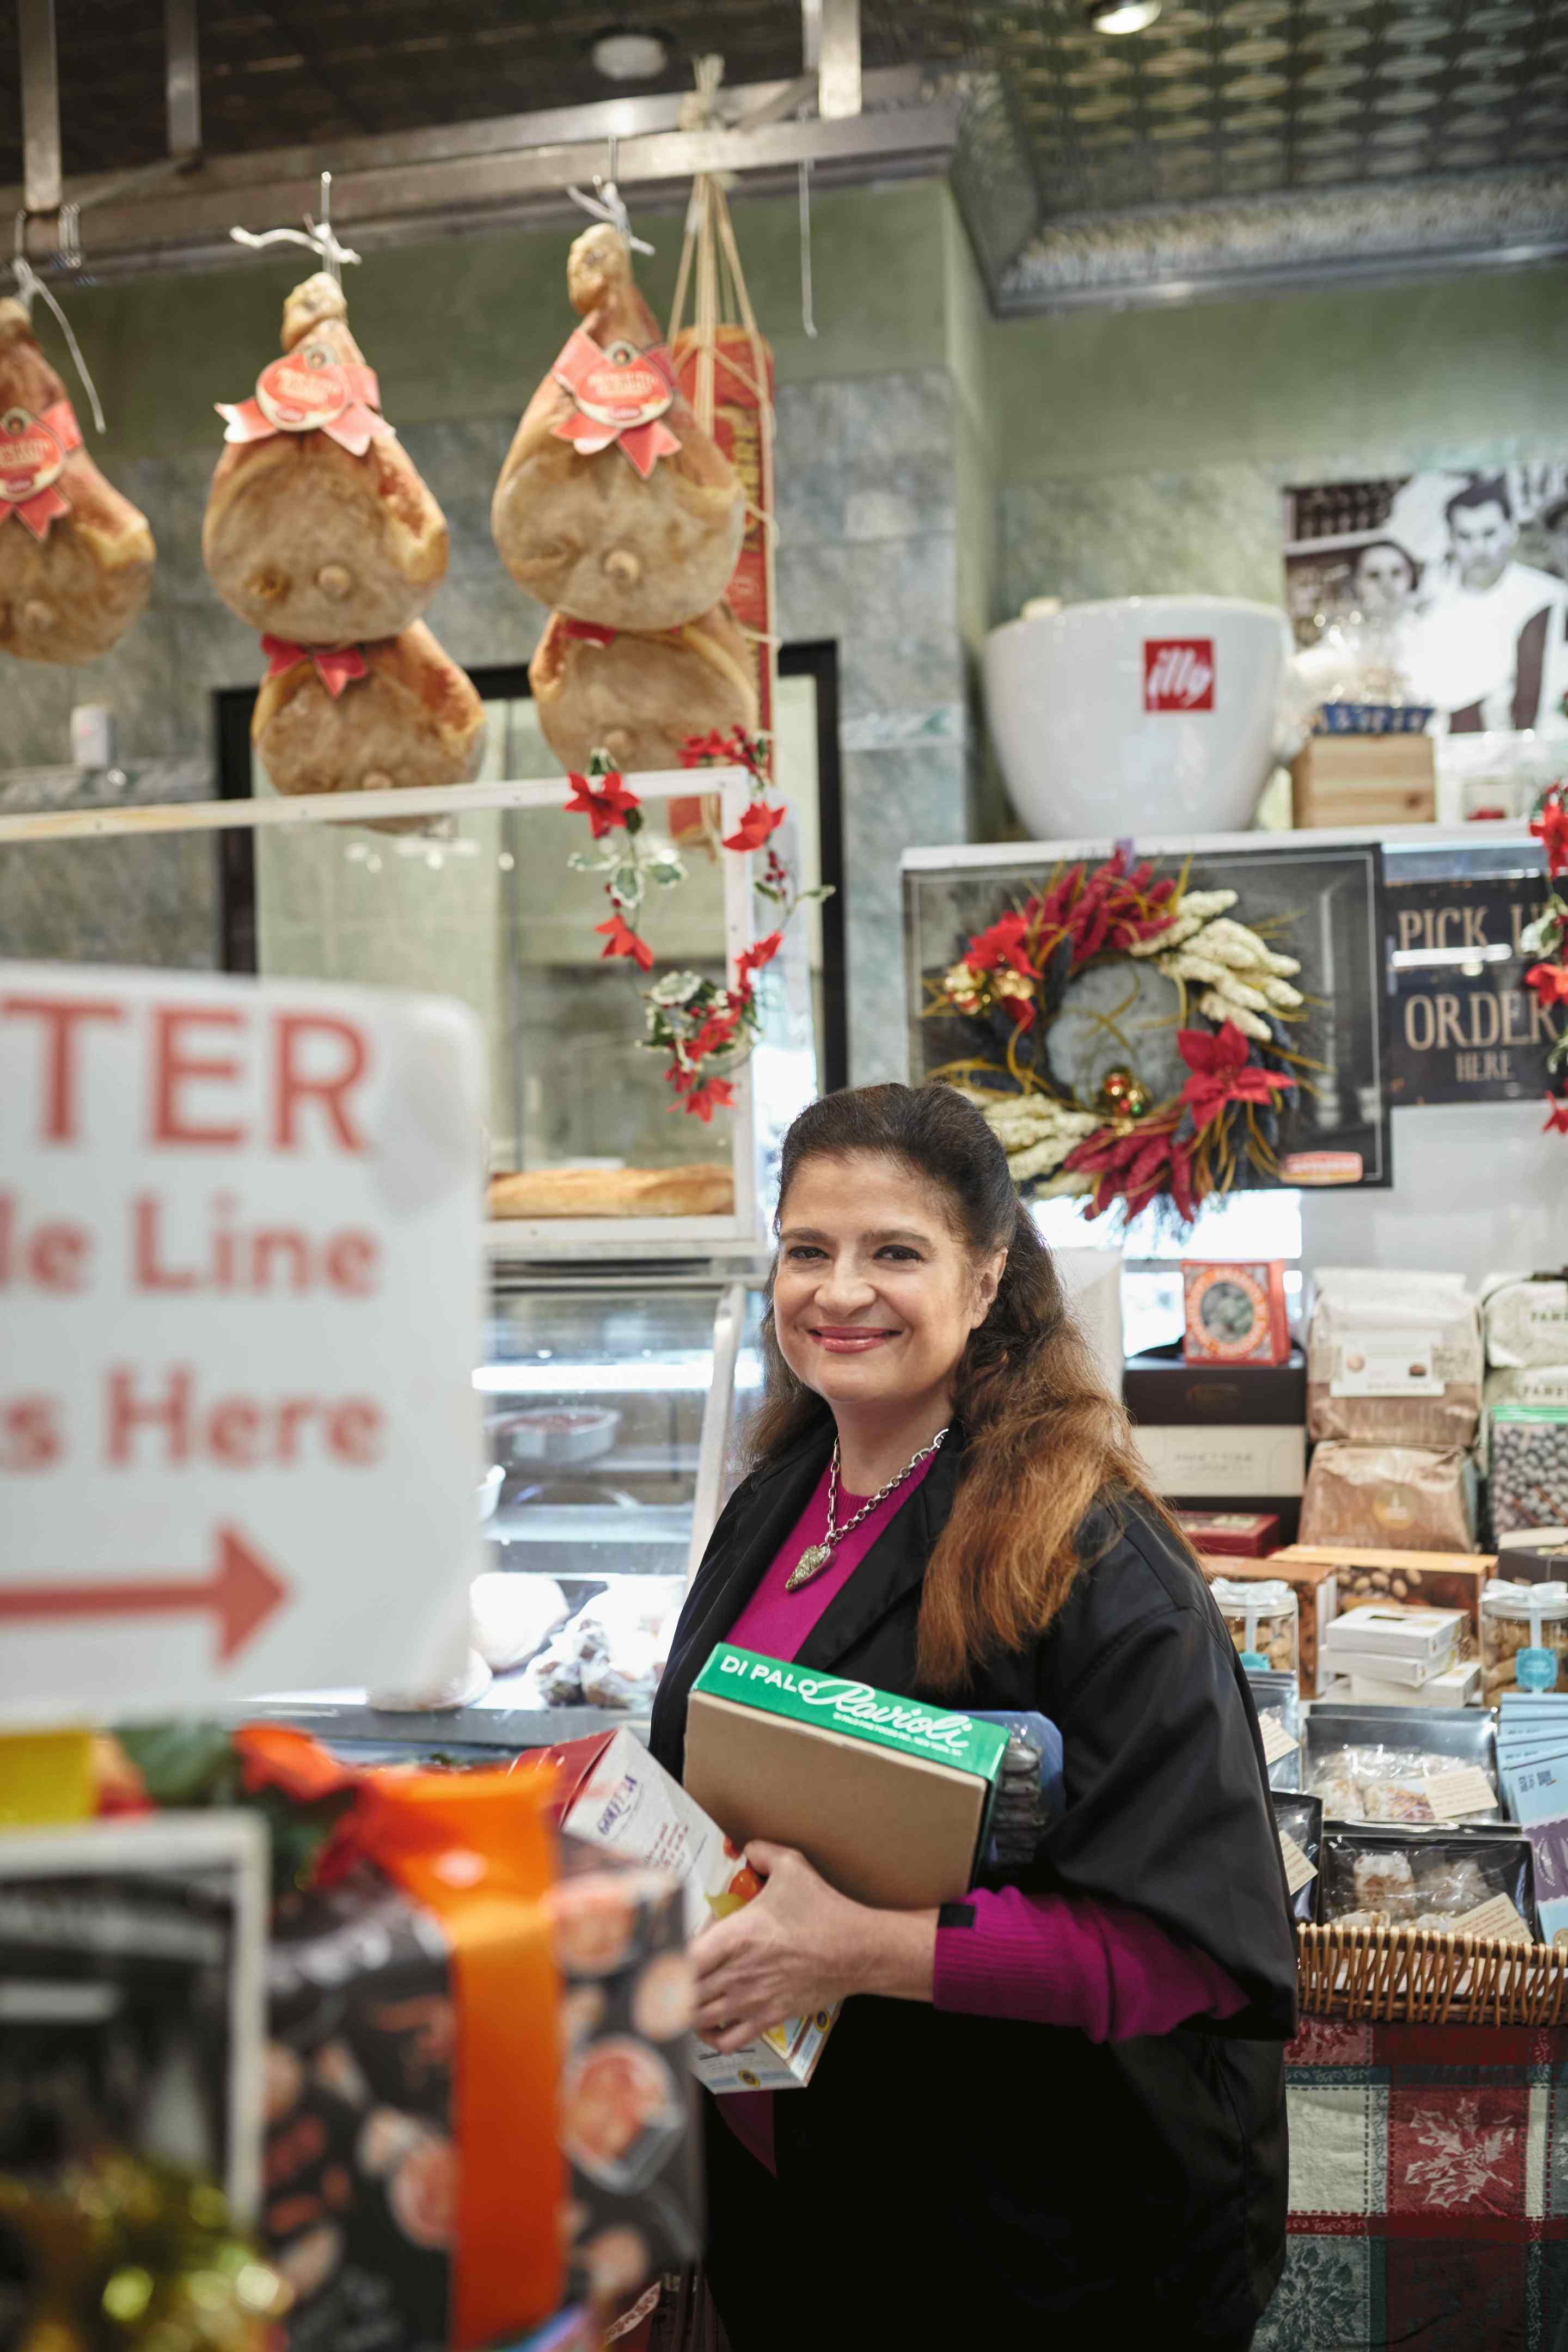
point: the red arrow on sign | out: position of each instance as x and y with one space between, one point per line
241 1593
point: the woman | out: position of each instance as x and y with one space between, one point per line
1055 2105
1385 580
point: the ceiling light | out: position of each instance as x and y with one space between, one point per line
628 53
1123 15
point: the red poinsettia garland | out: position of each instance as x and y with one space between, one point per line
706 1029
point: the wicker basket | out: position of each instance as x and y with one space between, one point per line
1417 1976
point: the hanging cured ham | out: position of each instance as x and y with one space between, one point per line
76 558
614 505
365 719
319 528
641 698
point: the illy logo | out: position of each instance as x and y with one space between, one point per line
1178 673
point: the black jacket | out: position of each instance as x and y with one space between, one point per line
1021 2171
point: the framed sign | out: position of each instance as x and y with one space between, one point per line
1462 1025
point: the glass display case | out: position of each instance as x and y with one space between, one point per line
614 1409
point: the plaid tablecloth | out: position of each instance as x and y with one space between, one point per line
1428 2190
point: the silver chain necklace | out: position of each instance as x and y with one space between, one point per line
812 1561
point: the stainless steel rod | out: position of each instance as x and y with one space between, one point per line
43 182
838 95
181 80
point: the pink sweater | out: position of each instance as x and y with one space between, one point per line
1053 1959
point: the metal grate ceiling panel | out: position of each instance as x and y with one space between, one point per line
1235 98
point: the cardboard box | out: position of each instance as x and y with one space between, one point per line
1422 1639
1456 1686
1414 1580
1231 1535
1317 1602
1240 1463
1160 1388
1364 780
614 1795
887 1797
1285 1508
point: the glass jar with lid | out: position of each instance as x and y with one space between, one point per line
1263 1620
1524 1638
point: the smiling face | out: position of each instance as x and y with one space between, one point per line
875 1295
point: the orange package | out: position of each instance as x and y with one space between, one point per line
413 2160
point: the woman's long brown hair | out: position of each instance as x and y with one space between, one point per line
1042 1439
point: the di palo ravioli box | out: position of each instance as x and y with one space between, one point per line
887 1797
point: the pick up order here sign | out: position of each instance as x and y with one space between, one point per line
239 1313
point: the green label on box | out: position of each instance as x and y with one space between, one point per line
832 1703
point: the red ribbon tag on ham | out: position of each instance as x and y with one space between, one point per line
620 395
33 454
336 666
308 391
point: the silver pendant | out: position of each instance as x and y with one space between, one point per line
807 1566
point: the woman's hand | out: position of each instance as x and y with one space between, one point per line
798 1946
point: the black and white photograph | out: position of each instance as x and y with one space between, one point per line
1463 575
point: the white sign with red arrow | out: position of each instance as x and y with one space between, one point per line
239 1313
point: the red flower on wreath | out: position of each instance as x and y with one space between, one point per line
1550 981
1556 1115
752 959
621 941
1551 827
1003 943
754 827
605 801
1222 1073
1134 1169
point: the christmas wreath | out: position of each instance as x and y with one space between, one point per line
707 1027
1547 938
1131 1038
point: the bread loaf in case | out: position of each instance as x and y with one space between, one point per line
697 1189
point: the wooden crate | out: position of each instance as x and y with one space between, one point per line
1364 780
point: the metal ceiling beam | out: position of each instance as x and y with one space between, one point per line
42 179
468 174
183 80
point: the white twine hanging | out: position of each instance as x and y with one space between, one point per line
608 203
317 236
29 284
